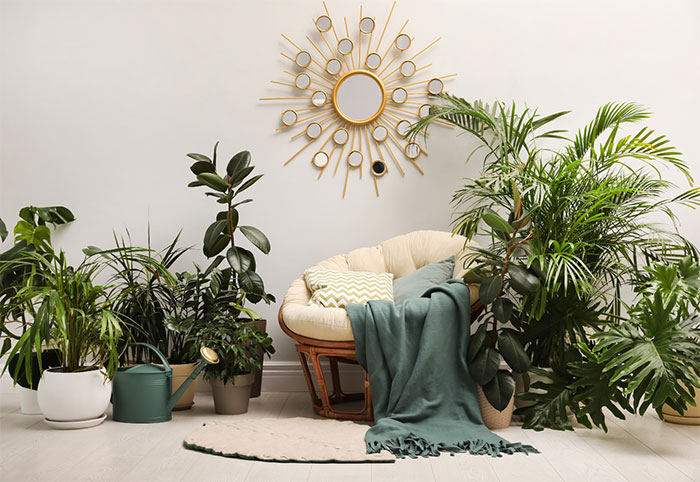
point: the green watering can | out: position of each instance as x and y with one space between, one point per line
142 393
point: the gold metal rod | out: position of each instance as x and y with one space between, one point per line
329 161
379 152
329 137
298 48
330 89
337 164
330 49
369 149
317 49
299 121
391 73
283 83
389 48
299 151
402 77
398 164
369 43
426 48
319 121
359 41
345 189
398 109
332 26
402 149
323 77
288 57
390 62
284 98
376 188
347 32
381 37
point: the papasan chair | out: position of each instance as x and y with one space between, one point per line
327 332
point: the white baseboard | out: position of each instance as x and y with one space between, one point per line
278 376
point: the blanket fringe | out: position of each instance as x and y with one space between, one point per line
414 446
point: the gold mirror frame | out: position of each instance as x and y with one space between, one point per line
346 76
382 46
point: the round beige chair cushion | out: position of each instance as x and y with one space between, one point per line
401 255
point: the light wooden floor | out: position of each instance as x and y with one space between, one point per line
638 449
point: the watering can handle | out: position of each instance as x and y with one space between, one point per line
154 349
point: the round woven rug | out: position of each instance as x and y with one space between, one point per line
286 440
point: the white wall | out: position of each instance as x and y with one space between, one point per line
100 101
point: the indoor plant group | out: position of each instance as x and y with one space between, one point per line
591 205
55 314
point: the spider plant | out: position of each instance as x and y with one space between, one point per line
71 313
143 288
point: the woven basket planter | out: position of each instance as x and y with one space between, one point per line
493 419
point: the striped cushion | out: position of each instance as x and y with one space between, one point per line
336 289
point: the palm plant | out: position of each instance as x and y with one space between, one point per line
592 203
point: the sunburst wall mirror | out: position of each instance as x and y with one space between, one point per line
355 93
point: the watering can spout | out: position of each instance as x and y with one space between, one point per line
209 356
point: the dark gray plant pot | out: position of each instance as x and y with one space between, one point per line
257 385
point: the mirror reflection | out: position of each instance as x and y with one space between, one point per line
359 97
324 23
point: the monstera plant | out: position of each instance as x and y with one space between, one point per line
504 277
221 235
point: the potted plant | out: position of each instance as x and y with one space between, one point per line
158 305
32 233
240 276
72 314
590 203
238 343
503 277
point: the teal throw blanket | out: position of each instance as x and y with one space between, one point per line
423 397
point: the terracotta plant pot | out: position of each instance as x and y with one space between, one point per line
690 417
180 374
493 419
232 398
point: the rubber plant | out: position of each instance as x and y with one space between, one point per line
504 277
221 235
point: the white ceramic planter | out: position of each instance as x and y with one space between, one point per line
28 403
70 397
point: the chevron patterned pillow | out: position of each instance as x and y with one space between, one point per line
336 289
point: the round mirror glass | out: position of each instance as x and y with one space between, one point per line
324 23
359 97
289 117
403 127
320 159
402 42
373 61
399 95
303 59
333 66
378 168
412 150
340 136
355 158
345 46
366 25
423 110
380 133
435 86
408 68
318 98
314 130
302 81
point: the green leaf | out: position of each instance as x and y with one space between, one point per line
251 282
490 288
202 166
213 232
249 183
502 309
522 280
240 175
199 157
525 218
492 218
513 352
499 390
485 365
216 147
218 246
240 260
476 342
195 184
3 230
238 162
256 237
213 181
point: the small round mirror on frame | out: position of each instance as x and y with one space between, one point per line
399 95
324 23
435 86
408 68
320 159
314 130
289 117
402 42
378 168
333 66
402 127
380 133
367 25
302 81
355 159
359 97
303 59
340 136
345 46
373 61
319 98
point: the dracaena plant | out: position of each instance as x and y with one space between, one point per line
503 276
225 186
